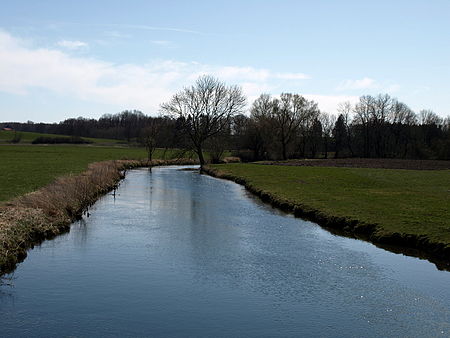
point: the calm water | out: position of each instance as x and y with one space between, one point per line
176 253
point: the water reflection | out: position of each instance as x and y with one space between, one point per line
81 232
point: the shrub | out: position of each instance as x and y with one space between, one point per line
16 138
244 155
60 140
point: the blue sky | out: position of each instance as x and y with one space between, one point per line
61 59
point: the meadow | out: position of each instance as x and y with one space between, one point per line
397 201
6 136
25 168
407 202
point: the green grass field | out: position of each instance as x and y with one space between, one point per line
28 137
403 201
25 168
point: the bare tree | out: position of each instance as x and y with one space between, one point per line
328 122
205 109
261 133
308 117
402 118
446 124
148 137
315 136
428 117
381 111
282 115
363 117
288 114
217 144
345 109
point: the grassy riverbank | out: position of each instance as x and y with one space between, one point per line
43 188
406 207
25 168
28 219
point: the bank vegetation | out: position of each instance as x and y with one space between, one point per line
27 220
405 210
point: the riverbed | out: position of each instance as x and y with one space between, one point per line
175 253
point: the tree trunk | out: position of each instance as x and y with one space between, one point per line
349 142
283 145
349 145
200 156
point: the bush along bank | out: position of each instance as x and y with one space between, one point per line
49 211
409 244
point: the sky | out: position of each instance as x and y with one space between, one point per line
61 59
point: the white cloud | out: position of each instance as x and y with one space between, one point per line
254 89
364 83
368 83
329 103
242 73
124 85
291 76
73 45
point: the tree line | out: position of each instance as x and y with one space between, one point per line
211 116
377 126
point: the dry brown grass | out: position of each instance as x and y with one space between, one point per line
20 226
70 195
231 159
49 211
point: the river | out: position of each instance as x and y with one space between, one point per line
178 254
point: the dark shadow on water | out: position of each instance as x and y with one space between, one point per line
397 249
189 169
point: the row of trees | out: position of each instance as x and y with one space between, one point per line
377 126
210 116
122 126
